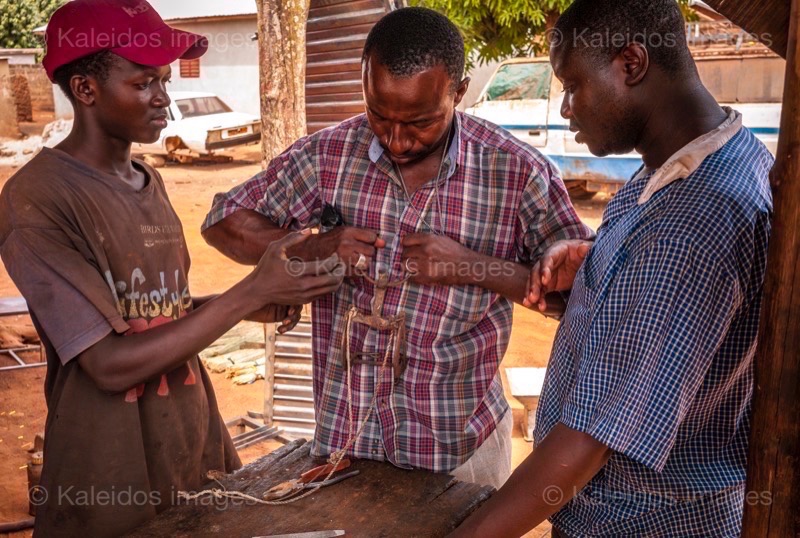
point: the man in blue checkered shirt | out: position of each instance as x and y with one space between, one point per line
644 418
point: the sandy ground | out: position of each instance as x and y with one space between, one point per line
191 188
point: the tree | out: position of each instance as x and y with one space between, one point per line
18 18
282 60
498 29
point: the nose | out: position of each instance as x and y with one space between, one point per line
161 97
566 111
398 142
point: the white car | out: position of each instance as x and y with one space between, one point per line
203 123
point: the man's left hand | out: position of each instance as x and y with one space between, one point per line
436 259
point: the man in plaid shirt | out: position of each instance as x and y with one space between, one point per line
644 418
421 189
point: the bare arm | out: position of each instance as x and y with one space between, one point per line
556 470
244 235
441 260
117 362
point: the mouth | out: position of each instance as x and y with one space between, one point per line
160 120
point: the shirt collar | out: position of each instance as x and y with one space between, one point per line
376 150
687 159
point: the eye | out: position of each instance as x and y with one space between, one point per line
144 85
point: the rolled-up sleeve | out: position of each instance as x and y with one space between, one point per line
546 215
286 192
659 321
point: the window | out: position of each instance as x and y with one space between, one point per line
190 68
201 106
517 81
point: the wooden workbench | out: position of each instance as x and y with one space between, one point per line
381 501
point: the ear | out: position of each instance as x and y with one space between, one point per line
84 89
636 62
461 90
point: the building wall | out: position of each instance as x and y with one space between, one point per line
41 91
8 112
229 68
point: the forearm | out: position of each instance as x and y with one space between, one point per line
117 362
556 470
244 236
504 277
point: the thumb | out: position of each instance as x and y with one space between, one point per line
289 240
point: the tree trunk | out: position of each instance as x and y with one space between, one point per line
282 79
772 502
282 59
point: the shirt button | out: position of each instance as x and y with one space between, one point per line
374 451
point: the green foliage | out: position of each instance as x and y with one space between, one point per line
18 18
498 29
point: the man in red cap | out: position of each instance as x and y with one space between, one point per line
89 237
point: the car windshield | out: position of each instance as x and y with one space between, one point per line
520 81
201 106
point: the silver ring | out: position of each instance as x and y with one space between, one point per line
362 262
408 269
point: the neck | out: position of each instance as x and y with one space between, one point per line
687 112
88 144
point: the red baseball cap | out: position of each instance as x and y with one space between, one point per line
129 28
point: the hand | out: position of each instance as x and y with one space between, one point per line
288 316
436 259
347 242
278 280
555 271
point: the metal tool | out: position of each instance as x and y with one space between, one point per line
312 478
313 534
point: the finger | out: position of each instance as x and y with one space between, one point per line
416 239
291 239
534 284
551 259
365 235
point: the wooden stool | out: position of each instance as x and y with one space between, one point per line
526 386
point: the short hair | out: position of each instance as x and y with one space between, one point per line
412 39
97 65
602 28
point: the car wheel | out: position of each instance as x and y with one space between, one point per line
577 190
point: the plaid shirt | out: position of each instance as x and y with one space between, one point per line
498 197
654 357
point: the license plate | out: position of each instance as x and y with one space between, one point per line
238 131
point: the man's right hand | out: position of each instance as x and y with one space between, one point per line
555 271
346 242
279 279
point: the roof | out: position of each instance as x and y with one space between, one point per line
19 52
766 20
171 10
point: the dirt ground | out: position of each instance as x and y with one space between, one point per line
191 189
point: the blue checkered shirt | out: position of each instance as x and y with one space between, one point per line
654 357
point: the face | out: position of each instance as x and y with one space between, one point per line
410 115
597 102
132 104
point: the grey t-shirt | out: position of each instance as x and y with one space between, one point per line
91 255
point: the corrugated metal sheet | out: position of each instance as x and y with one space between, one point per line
766 20
335 35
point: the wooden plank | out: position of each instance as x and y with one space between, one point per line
358 27
333 87
335 108
773 473
382 500
319 23
355 97
766 20
319 9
